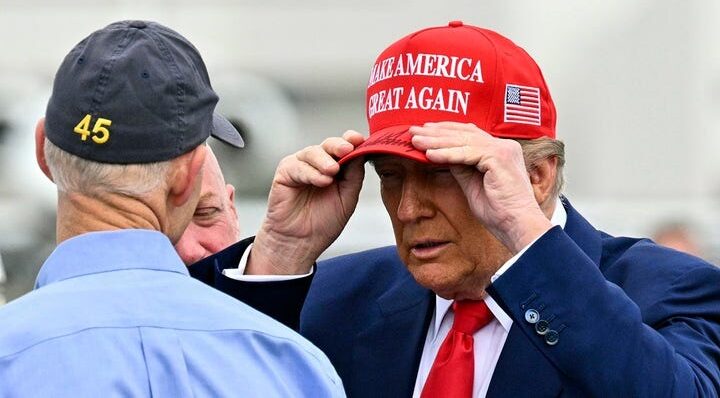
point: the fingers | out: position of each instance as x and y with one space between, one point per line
457 143
353 137
337 146
317 165
295 173
341 146
457 155
464 175
351 184
448 135
451 143
354 171
319 158
425 142
323 156
444 128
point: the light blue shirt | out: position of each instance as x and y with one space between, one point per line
115 314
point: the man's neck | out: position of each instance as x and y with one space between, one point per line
79 214
549 206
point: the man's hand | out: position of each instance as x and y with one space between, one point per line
310 203
491 171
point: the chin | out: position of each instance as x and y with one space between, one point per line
437 277
447 282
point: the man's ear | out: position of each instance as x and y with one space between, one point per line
542 178
40 148
187 170
231 197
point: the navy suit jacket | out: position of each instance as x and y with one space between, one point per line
627 318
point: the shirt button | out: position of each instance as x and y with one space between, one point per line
552 337
541 327
532 316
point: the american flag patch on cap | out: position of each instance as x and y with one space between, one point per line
522 104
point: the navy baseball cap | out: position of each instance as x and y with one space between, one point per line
134 92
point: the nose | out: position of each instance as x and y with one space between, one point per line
414 203
189 249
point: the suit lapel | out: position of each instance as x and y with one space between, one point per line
387 353
582 233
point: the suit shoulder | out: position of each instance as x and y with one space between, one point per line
648 272
647 256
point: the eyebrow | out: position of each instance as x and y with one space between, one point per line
207 196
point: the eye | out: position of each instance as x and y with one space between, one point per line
385 174
440 170
206 212
441 175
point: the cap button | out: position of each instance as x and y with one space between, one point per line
455 24
138 24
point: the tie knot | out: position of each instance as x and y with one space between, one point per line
471 316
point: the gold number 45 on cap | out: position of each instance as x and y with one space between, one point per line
100 132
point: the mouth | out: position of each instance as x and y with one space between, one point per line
427 249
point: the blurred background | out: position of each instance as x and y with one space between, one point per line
636 84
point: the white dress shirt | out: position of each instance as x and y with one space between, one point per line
488 341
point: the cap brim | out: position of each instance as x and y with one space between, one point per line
224 131
395 140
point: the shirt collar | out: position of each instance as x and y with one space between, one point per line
106 251
442 306
559 216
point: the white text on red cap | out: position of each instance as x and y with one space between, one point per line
427 65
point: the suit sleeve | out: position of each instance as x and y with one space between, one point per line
281 300
662 342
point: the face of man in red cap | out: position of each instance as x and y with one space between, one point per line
438 238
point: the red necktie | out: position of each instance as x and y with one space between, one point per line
453 372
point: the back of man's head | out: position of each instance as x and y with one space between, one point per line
122 138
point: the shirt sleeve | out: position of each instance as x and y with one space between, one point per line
239 272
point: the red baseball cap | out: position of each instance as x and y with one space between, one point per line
458 73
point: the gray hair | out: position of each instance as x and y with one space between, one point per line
73 174
538 149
